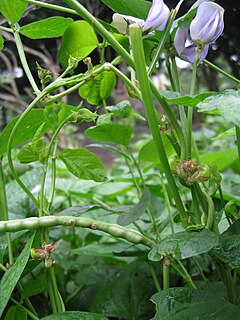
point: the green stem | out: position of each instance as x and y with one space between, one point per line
51 6
167 202
4 212
138 53
53 184
52 221
200 271
165 276
219 70
190 109
24 62
30 314
68 91
6 29
155 279
238 140
183 272
195 204
41 193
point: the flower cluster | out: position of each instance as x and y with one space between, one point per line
204 29
44 254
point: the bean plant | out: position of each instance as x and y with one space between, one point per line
157 235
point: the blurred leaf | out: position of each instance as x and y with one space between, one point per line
11 277
16 313
83 164
1 42
99 88
112 188
189 101
137 9
100 249
227 133
137 211
78 41
149 152
126 296
75 315
48 28
110 133
229 245
226 103
122 110
77 210
26 130
219 158
184 244
12 10
3 246
26 154
34 287
186 303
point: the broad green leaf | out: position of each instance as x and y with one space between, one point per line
26 130
229 245
226 103
16 313
79 40
1 42
186 304
99 88
112 189
84 164
149 152
105 249
137 211
184 244
34 287
12 10
126 296
138 9
227 133
11 277
48 28
184 100
219 158
75 315
110 133
122 110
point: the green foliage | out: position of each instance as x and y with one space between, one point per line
184 244
16 313
48 28
11 277
129 7
1 42
185 303
75 315
110 133
149 152
225 103
83 164
78 41
12 10
99 88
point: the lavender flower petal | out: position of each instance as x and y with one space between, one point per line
157 17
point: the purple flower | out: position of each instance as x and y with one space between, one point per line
157 17
156 20
205 28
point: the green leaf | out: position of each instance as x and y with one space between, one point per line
1 42
16 313
105 249
226 104
184 244
138 9
219 158
34 287
26 130
149 152
229 245
79 40
3 246
84 164
122 110
26 154
12 10
75 315
110 133
11 277
227 133
99 88
186 304
185 100
137 211
48 28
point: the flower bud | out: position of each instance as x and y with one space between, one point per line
157 17
208 24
